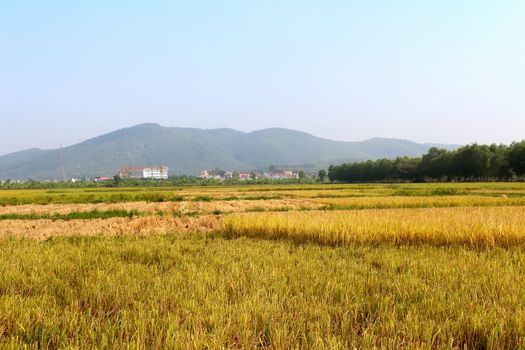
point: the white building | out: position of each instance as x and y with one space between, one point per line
159 173
150 172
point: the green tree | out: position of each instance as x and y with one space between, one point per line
322 175
516 158
499 165
407 168
431 163
117 180
472 162
302 174
218 172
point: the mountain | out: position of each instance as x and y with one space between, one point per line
188 150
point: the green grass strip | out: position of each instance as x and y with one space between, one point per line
84 215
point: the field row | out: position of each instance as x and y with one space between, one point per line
239 206
255 193
117 226
182 208
474 227
481 227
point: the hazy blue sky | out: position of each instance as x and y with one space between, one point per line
441 71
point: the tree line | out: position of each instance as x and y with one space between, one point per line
171 182
469 163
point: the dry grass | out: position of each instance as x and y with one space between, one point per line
248 205
149 207
472 227
42 229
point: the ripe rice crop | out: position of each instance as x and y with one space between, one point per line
192 292
267 267
249 192
419 202
470 227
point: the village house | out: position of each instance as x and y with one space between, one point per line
155 172
245 176
103 178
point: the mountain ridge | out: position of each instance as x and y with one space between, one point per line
187 150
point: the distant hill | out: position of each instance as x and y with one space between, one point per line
187 150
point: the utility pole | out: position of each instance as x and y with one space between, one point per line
62 171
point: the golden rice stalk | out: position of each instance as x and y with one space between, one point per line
419 202
474 227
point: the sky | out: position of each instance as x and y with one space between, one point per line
449 71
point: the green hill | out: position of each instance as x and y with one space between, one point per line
187 150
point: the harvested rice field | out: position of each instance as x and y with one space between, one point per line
426 266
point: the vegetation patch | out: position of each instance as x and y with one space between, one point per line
261 198
94 214
202 199
429 192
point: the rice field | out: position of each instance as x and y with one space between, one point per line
438 266
395 202
467 227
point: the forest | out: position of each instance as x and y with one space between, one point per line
469 163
